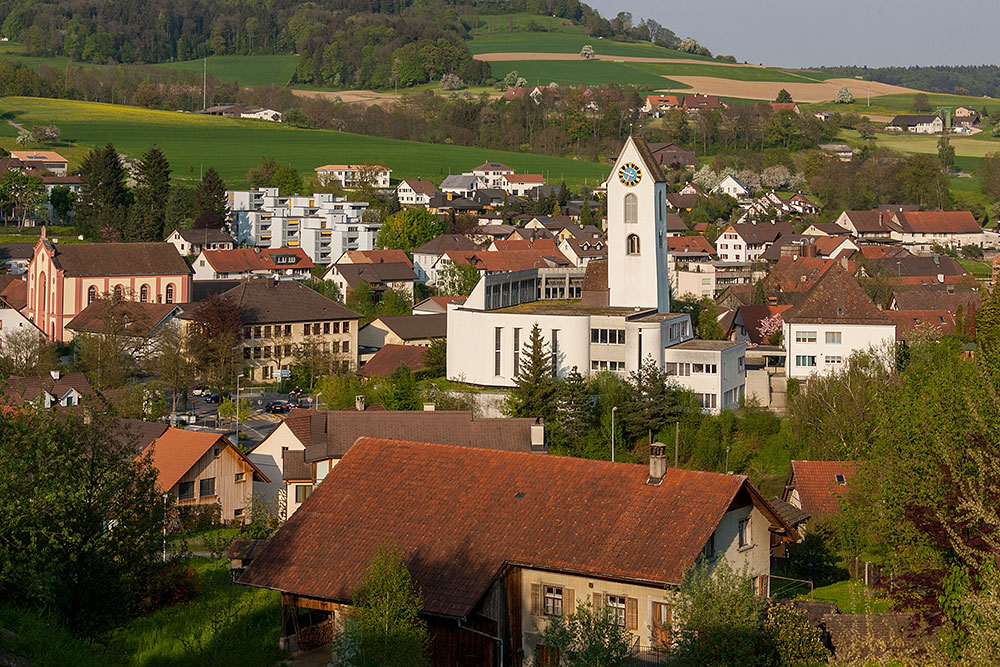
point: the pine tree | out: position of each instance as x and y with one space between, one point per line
148 211
574 412
210 195
586 214
563 194
536 389
102 208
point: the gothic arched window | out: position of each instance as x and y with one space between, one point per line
633 244
631 208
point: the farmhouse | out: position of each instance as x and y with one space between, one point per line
917 124
673 156
193 241
416 191
522 539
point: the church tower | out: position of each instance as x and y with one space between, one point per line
637 230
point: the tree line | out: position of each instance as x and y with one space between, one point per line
976 80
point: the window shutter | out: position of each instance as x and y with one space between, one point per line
598 602
536 599
631 613
568 601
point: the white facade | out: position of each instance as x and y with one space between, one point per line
323 225
520 185
822 349
708 278
186 248
262 114
714 370
407 195
350 175
732 187
492 173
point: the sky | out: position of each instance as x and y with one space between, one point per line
802 33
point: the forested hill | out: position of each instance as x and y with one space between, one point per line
351 43
978 80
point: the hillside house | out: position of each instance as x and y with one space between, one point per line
354 175
746 242
916 124
734 187
462 185
426 256
492 174
416 191
46 391
673 156
521 185
43 161
817 487
523 538
580 251
398 276
193 241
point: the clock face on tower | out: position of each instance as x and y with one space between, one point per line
629 174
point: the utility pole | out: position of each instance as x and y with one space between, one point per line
677 442
204 84
613 411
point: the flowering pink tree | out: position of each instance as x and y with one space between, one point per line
771 329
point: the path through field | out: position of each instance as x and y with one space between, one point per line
819 91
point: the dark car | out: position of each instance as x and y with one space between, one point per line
278 407
212 398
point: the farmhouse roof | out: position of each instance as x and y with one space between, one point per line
119 259
836 298
588 247
938 297
203 236
818 486
869 222
9 251
390 357
459 514
937 222
421 186
375 274
268 301
138 318
909 120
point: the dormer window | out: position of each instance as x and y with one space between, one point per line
841 480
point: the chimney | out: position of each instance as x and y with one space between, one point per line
657 463
359 403
843 262
428 407
55 375
538 435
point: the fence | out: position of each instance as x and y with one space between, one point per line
784 588
648 656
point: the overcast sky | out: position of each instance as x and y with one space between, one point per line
801 33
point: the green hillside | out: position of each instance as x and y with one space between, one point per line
574 73
248 70
233 146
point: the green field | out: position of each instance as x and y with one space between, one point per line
192 142
574 73
730 72
904 102
248 70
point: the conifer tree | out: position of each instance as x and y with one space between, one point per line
574 412
210 195
148 211
536 389
102 208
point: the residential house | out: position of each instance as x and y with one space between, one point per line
826 229
746 242
46 391
916 124
262 114
843 152
354 175
414 330
713 370
749 321
535 94
797 274
923 324
502 261
16 257
193 241
74 184
695 103
784 106
133 324
818 487
523 539
390 256
227 110
492 173
462 185
948 297
42 161
64 278
398 276
390 357
13 302
199 468
657 104
436 304
833 320
426 255
283 320
708 278
965 125
925 229
520 185
690 244
416 191
965 112
673 156
675 225
240 263
922 271
824 115
771 206
866 224
317 440
734 187
580 251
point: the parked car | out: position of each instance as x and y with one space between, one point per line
199 391
279 407
212 398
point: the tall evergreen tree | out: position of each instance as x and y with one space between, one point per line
210 195
152 191
574 412
102 208
536 389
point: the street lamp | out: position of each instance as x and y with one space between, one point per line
613 411
238 409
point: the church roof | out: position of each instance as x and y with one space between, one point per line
652 166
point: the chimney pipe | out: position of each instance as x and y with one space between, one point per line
359 403
54 374
538 435
428 407
657 463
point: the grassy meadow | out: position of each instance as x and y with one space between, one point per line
574 73
248 70
192 142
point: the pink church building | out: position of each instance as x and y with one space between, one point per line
64 278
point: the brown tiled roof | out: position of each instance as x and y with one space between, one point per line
585 247
675 223
816 482
917 267
139 319
907 321
390 357
679 201
175 452
16 251
375 274
790 513
751 317
204 236
905 120
547 245
937 222
651 163
880 251
869 222
595 278
827 245
689 244
378 257
508 260
244 549
421 186
293 462
415 327
242 260
30 388
936 298
458 514
139 434
798 274
15 292
763 232
836 298
441 301
120 259
445 242
268 301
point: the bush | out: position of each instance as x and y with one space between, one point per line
198 518
792 387
171 583
796 640
972 252
814 559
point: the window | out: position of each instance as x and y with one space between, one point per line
745 535
302 492
345 346
805 336
206 487
91 294
119 292
805 360
833 337
841 479
306 329
631 208
144 293
169 294
616 610
347 327
834 360
553 601
238 513
708 551
185 491
288 329
632 244
240 477
497 334
608 336
555 349
267 331
517 350
326 327
707 401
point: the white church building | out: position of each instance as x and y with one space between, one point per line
611 315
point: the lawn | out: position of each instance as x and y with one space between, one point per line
976 146
567 40
192 142
573 73
851 597
248 70
977 269
905 104
225 624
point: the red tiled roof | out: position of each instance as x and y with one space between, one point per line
836 298
936 322
539 244
176 451
15 293
798 274
422 186
751 317
458 514
689 244
937 222
242 260
378 257
508 260
391 357
816 482
826 245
